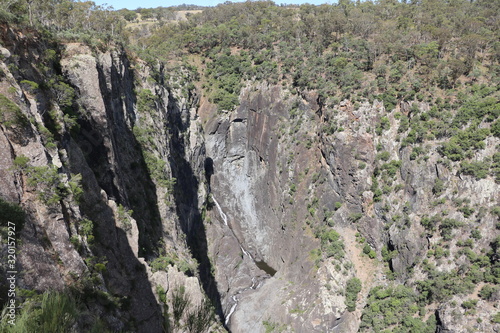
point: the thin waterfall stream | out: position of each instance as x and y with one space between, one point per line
263 266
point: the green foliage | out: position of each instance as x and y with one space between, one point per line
495 128
124 216
273 327
11 212
200 319
52 312
384 156
388 255
487 291
29 85
65 95
464 142
355 217
162 294
86 227
395 307
48 182
163 262
180 301
438 187
11 114
146 101
391 168
331 243
383 126
369 251
477 169
469 304
446 227
441 286
352 290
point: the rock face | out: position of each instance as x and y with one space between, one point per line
268 210
118 220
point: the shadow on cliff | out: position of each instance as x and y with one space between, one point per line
186 199
116 165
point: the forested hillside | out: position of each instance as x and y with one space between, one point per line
251 167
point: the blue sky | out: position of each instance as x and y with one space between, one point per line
133 4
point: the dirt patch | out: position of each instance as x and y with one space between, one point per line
367 270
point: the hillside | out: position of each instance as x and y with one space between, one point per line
251 167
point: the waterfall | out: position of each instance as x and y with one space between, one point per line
224 217
232 309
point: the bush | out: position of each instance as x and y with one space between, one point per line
331 243
180 301
352 290
384 156
11 212
487 291
10 113
438 187
477 169
47 181
55 312
495 128
200 319
355 217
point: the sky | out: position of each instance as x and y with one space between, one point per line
133 4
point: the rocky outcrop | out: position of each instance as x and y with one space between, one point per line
107 223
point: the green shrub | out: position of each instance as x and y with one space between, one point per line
331 243
384 156
352 290
47 181
469 304
446 227
11 212
10 113
200 319
495 128
52 312
355 217
487 291
438 187
180 301
478 169
29 85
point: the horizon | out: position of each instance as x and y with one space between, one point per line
132 4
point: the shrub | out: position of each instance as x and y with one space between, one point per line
478 169
447 226
487 291
469 304
29 85
47 181
384 156
331 243
55 312
180 301
438 187
10 113
11 212
200 319
355 217
495 128
352 290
